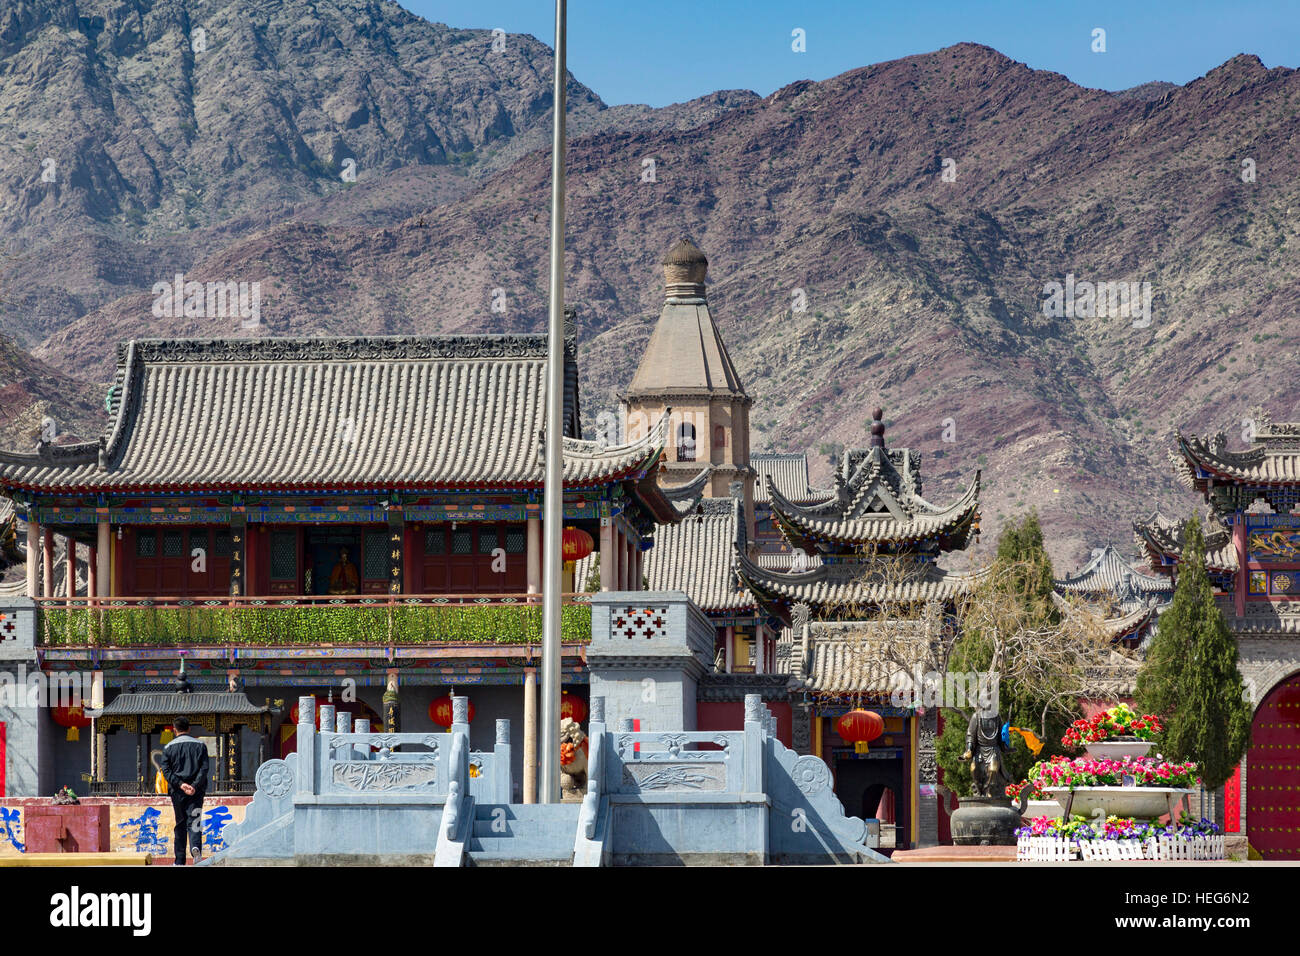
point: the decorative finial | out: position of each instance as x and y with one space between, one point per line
877 428
685 267
183 682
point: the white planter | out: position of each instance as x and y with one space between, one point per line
1042 808
1142 803
1119 749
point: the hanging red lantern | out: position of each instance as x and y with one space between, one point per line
575 544
573 707
71 717
860 727
440 711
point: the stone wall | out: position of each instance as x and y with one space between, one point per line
29 737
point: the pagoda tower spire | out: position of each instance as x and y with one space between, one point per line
686 368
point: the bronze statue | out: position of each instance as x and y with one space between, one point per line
984 749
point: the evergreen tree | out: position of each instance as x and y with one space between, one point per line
1190 675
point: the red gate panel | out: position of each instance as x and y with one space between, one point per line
1273 775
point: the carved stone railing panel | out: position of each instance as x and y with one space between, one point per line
353 763
662 762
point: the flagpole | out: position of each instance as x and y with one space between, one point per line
553 490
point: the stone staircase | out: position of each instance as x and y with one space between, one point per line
519 834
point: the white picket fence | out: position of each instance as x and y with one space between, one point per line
1042 849
1197 848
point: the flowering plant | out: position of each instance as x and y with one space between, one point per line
1064 772
1115 828
1120 721
1015 789
1075 828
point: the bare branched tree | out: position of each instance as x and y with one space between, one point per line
1053 648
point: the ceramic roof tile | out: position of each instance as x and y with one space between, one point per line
848 584
306 413
159 703
697 555
789 473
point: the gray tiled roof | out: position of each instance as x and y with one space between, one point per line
1274 455
876 499
1109 575
851 584
789 472
384 412
875 509
157 703
697 555
856 658
784 560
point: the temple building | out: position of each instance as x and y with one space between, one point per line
1252 537
347 516
1128 599
855 625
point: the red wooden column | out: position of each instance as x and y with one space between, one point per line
92 573
47 554
72 566
1243 575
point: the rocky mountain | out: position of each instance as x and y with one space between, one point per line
887 236
137 136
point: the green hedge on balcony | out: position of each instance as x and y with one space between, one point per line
308 624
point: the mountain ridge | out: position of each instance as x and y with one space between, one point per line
923 295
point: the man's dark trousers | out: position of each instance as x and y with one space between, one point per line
189 819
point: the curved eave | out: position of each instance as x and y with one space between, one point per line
1165 553
952 526
1241 468
1091 578
784 589
586 465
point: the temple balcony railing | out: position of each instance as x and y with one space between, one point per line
299 620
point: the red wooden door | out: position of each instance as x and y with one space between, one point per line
1273 775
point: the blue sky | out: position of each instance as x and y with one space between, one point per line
667 51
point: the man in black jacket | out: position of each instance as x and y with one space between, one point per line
185 768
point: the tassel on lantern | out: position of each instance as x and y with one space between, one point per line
73 735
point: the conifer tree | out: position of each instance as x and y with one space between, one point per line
1190 675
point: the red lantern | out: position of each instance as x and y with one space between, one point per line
573 707
575 544
440 711
860 727
71 717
